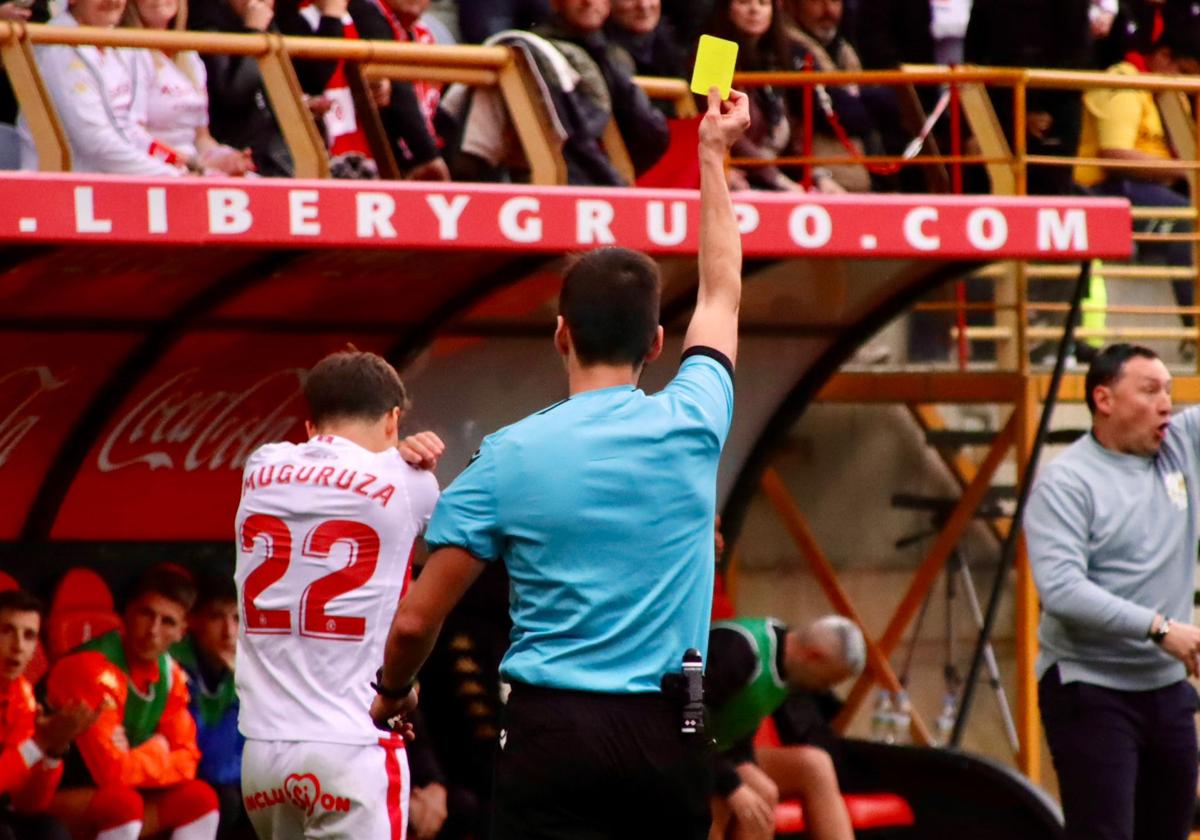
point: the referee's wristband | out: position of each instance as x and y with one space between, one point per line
391 693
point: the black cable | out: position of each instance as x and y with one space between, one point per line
1009 551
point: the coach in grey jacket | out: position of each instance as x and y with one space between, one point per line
1111 531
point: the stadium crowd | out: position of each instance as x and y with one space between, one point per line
143 112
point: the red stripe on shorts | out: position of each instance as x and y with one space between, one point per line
391 759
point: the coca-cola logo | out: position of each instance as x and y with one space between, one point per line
19 389
182 424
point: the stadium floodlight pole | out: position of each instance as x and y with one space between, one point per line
1009 551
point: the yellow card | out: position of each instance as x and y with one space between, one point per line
715 60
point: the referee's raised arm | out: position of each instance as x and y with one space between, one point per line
715 321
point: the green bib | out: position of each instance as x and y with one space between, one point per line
142 711
211 706
762 695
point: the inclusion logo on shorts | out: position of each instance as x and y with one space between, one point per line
301 790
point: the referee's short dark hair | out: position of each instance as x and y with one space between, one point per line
610 300
353 385
18 600
1106 368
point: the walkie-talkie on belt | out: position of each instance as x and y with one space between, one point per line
693 680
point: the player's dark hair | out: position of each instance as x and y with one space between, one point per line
214 589
610 299
1108 365
18 600
168 580
353 385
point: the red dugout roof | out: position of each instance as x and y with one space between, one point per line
153 333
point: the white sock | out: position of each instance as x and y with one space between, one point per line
204 828
128 831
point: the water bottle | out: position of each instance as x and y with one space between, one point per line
882 724
902 718
945 721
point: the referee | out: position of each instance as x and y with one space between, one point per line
601 507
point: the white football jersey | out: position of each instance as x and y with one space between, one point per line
325 531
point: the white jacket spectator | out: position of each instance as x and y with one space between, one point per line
177 96
100 95
177 102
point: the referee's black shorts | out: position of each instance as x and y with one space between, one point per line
579 765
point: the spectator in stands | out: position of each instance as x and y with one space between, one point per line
753 666
207 654
240 114
687 18
142 749
999 35
31 744
100 94
414 132
948 26
594 90
177 99
842 122
1125 125
15 11
406 109
758 28
638 27
888 33
479 20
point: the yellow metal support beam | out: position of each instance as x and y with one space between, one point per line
878 665
929 570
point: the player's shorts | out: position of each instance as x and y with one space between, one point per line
304 789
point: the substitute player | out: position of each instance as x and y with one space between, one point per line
134 769
602 509
325 530
31 744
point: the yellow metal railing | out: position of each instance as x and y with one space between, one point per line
506 70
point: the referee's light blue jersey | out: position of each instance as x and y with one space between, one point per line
602 507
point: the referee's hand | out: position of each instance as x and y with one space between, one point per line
392 715
751 810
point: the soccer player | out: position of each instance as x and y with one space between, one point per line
602 509
137 762
31 745
755 665
207 655
325 531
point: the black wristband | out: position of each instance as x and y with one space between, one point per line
390 693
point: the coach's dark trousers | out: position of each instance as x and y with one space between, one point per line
575 765
1126 760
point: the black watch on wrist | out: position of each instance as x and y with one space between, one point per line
1159 635
390 693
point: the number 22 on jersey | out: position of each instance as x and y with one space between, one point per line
363 545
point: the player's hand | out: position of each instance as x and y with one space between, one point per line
427 811
1183 642
422 450
391 715
751 810
54 733
725 121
